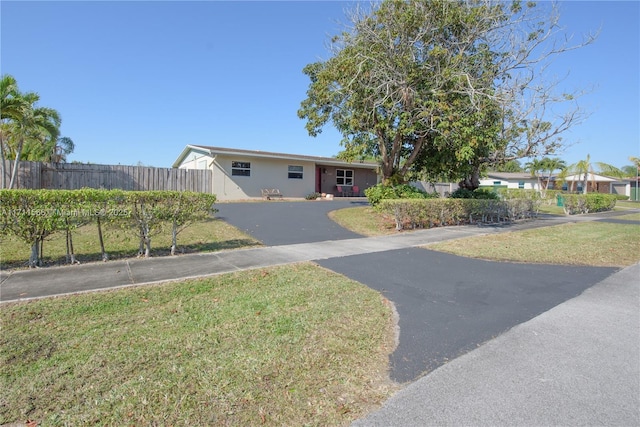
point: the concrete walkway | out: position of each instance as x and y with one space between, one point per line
26 284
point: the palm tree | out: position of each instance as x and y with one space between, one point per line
36 125
535 166
52 151
23 124
582 168
610 170
63 147
630 171
551 165
11 104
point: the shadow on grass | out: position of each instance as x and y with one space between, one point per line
199 247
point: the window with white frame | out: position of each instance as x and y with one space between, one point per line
344 177
520 184
240 168
295 172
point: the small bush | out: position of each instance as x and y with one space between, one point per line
451 211
381 192
312 196
588 203
478 194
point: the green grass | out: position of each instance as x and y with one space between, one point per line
627 204
294 345
363 220
552 209
205 236
593 243
630 217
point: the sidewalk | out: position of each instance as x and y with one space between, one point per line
37 283
27 284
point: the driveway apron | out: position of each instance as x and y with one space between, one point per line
447 305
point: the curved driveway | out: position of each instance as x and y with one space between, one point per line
448 305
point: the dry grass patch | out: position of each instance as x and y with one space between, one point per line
363 220
294 345
592 243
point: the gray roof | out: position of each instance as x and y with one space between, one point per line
511 176
330 161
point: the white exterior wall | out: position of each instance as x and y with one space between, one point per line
195 160
528 184
265 173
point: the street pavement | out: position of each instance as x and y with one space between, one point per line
577 364
449 309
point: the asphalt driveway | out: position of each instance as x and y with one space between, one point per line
278 223
447 305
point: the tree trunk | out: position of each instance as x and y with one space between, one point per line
2 165
71 256
141 245
174 238
471 182
105 256
41 252
147 251
145 242
14 172
33 258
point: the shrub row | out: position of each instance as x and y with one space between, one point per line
381 192
586 203
440 212
33 215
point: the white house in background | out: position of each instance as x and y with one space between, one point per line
242 174
510 180
598 184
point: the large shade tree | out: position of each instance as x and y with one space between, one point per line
442 87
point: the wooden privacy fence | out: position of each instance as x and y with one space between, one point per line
71 176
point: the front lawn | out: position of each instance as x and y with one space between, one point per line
589 243
293 345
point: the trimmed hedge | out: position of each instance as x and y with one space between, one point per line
441 212
380 192
588 203
32 215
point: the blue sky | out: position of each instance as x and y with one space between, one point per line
137 81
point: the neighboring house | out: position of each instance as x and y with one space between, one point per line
597 184
442 188
241 174
510 180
